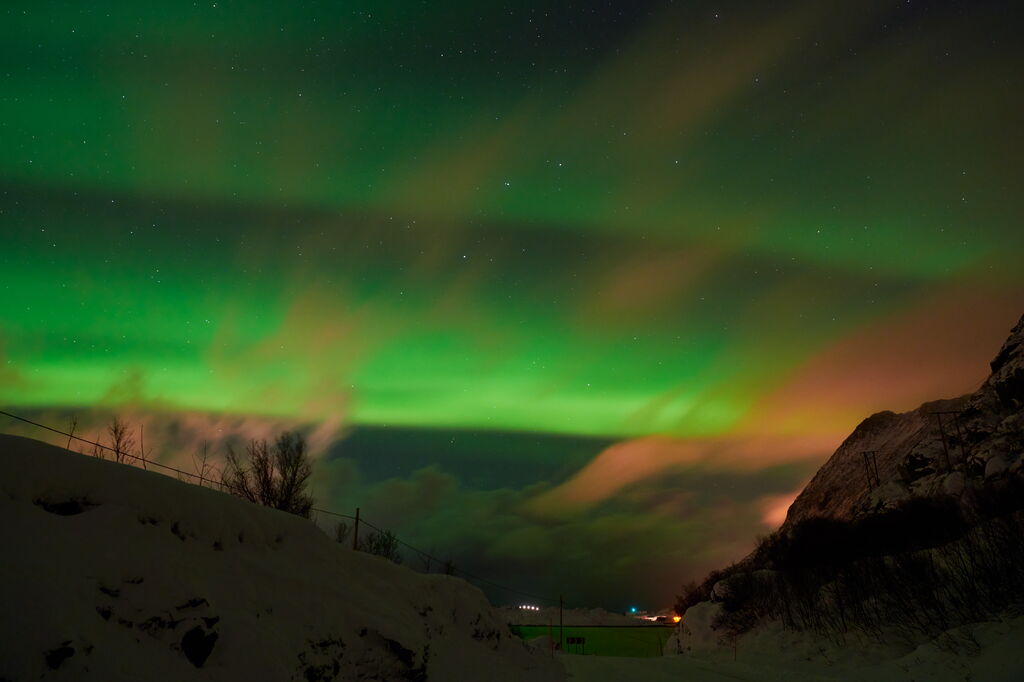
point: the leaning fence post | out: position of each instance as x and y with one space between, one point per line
142 444
355 531
74 425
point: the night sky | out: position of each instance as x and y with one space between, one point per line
579 294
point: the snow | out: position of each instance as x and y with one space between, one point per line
114 573
988 652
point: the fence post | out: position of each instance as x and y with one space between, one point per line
561 637
142 446
74 425
355 531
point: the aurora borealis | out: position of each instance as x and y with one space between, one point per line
552 282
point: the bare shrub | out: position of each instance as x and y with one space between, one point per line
98 450
203 466
896 573
694 593
275 478
383 543
122 443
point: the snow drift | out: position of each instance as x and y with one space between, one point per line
114 573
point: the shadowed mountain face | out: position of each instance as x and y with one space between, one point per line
945 446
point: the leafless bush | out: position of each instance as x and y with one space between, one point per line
382 543
121 441
916 594
275 478
204 468
694 593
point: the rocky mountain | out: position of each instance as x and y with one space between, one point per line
947 446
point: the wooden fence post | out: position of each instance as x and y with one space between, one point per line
561 637
355 531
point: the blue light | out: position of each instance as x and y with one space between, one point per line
632 609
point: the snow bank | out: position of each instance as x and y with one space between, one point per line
987 651
114 573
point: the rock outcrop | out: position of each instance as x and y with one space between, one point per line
943 447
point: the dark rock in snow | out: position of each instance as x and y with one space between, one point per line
56 657
197 644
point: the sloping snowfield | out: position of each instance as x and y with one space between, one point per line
982 652
114 573
786 657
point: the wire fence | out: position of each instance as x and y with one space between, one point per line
181 474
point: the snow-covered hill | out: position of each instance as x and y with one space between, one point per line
114 573
984 440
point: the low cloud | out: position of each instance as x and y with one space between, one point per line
775 507
172 438
630 462
940 347
638 544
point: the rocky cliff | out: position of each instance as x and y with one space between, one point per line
943 447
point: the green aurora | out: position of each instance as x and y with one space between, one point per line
611 220
610 231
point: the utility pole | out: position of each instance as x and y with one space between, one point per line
355 532
959 436
871 469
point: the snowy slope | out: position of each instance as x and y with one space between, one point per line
790 657
983 652
114 573
986 441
